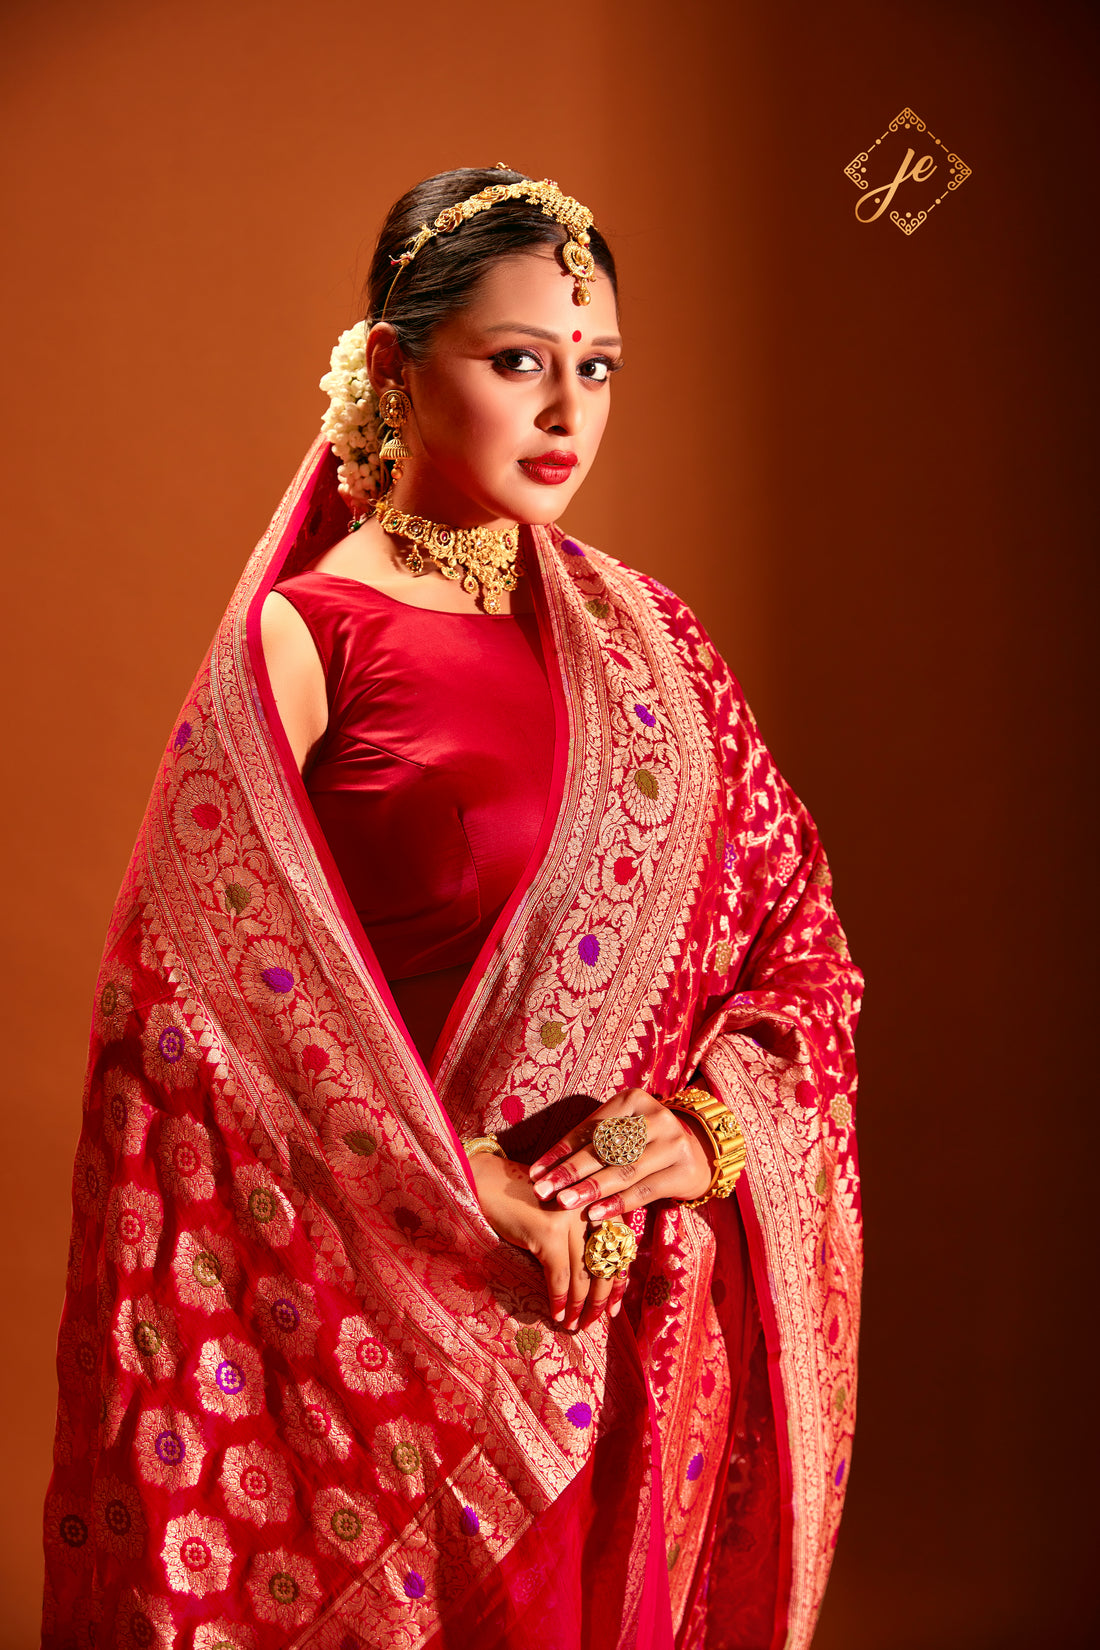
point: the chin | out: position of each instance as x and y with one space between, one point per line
546 506
536 517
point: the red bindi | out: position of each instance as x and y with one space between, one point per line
576 337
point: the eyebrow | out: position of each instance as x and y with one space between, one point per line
551 337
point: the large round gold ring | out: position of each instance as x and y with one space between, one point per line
619 1140
610 1249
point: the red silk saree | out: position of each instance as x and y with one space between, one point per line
307 1396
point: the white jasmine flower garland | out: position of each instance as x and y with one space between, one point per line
351 423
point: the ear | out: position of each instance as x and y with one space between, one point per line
385 358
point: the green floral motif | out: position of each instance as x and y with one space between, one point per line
360 1142
405 1457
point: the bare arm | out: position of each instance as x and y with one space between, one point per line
297 675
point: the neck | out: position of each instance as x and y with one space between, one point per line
428 495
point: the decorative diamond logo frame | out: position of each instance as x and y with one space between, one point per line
870 171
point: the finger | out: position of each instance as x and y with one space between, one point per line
569 1170
607 1184
575 1159
647 1189
625 1100
564 1147
579 1283
615 1299
586 1176
581 1279
599 1294
557 1275
604 1182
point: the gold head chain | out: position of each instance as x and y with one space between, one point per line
577 219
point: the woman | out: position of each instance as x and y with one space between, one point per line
472 954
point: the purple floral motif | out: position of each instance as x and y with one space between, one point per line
580 1414
285 1316
571 547
230 1377
415 1586
729 858
469 1523
279 979
839 1474
588 949
694 1467
644 714
183 734
170 1044
171 1448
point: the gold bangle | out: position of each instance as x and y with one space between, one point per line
483 1143
724 1133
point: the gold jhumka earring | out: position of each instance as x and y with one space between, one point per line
394 408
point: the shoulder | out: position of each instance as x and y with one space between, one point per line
280 620
307 592
288 641
296 672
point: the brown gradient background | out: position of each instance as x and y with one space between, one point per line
863 457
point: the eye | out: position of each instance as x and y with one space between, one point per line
522 361
598 368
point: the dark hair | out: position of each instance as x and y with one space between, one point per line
444 273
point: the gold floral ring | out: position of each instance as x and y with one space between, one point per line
610 1249
618 1141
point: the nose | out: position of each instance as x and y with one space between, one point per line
563 413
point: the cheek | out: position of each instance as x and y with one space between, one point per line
597 421
463 413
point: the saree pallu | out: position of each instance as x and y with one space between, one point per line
307 1396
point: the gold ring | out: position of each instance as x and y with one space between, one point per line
610 1249
619 1140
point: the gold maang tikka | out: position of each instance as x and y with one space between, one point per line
577 219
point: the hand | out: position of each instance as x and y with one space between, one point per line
555 1237
675 1162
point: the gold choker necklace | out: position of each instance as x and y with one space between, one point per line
486 559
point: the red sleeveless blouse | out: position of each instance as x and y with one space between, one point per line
431 780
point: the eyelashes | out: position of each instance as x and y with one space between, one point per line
511 360
604 362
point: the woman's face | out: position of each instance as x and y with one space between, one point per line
510 406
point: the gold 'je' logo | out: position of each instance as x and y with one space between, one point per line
935 174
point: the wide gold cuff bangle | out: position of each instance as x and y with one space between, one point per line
483 1143
724 1134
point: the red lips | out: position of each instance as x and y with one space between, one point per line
550 468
